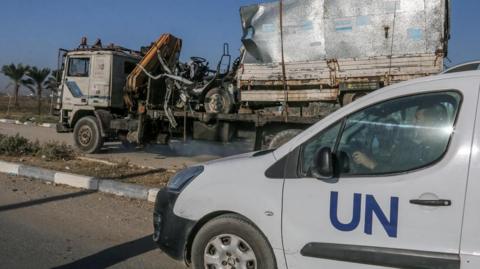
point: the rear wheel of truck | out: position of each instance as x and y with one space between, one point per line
218 100
87 135
351 97
283 137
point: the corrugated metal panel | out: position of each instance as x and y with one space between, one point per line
334 29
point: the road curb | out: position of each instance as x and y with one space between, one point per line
83 182
36 173
7 121
9 168
123 189
27 123
152 195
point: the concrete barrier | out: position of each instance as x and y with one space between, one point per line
83 182
37 173
7 121
9 168
152 195
47 125
123 189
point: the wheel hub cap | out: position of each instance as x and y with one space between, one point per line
229 252
85 135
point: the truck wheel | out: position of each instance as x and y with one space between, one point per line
350 97
230 241
87 135
218 100
283 137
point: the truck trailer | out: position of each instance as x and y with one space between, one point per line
298 52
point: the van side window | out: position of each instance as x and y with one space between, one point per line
398 135
78 67
326 138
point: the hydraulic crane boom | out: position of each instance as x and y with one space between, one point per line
168 48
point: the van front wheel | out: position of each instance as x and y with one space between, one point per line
230 241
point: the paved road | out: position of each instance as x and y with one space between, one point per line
45 226
176 155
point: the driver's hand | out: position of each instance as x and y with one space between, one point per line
362 159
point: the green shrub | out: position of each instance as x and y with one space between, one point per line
20 146
16 145
55 151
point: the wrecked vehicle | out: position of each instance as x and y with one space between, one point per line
296 56
112 93
213 91
298 52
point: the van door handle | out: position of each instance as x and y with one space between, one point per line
440 202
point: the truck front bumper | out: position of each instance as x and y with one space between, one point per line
171 233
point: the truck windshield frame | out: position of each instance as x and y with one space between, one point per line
78 67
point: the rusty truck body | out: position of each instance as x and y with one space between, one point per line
338 50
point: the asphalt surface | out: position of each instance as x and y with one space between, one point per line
45 226
174 156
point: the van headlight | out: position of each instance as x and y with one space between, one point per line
182 178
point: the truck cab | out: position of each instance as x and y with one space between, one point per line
93 79
389 181
96 78
92 90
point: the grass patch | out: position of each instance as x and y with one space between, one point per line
20 146
61 157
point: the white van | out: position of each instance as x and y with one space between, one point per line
390 181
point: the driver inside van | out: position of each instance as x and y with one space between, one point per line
423 143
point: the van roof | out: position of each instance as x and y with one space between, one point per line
467 66
463 74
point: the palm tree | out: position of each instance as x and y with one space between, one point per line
38 81
16 73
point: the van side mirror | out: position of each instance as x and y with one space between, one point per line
323 165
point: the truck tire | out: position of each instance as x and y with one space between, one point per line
218 101
86 135
252 250
283 137
351 97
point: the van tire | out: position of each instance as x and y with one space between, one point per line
234 225
283 137
87 136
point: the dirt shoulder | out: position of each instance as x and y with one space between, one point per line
119 171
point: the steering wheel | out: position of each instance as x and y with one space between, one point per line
345 157
199 60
